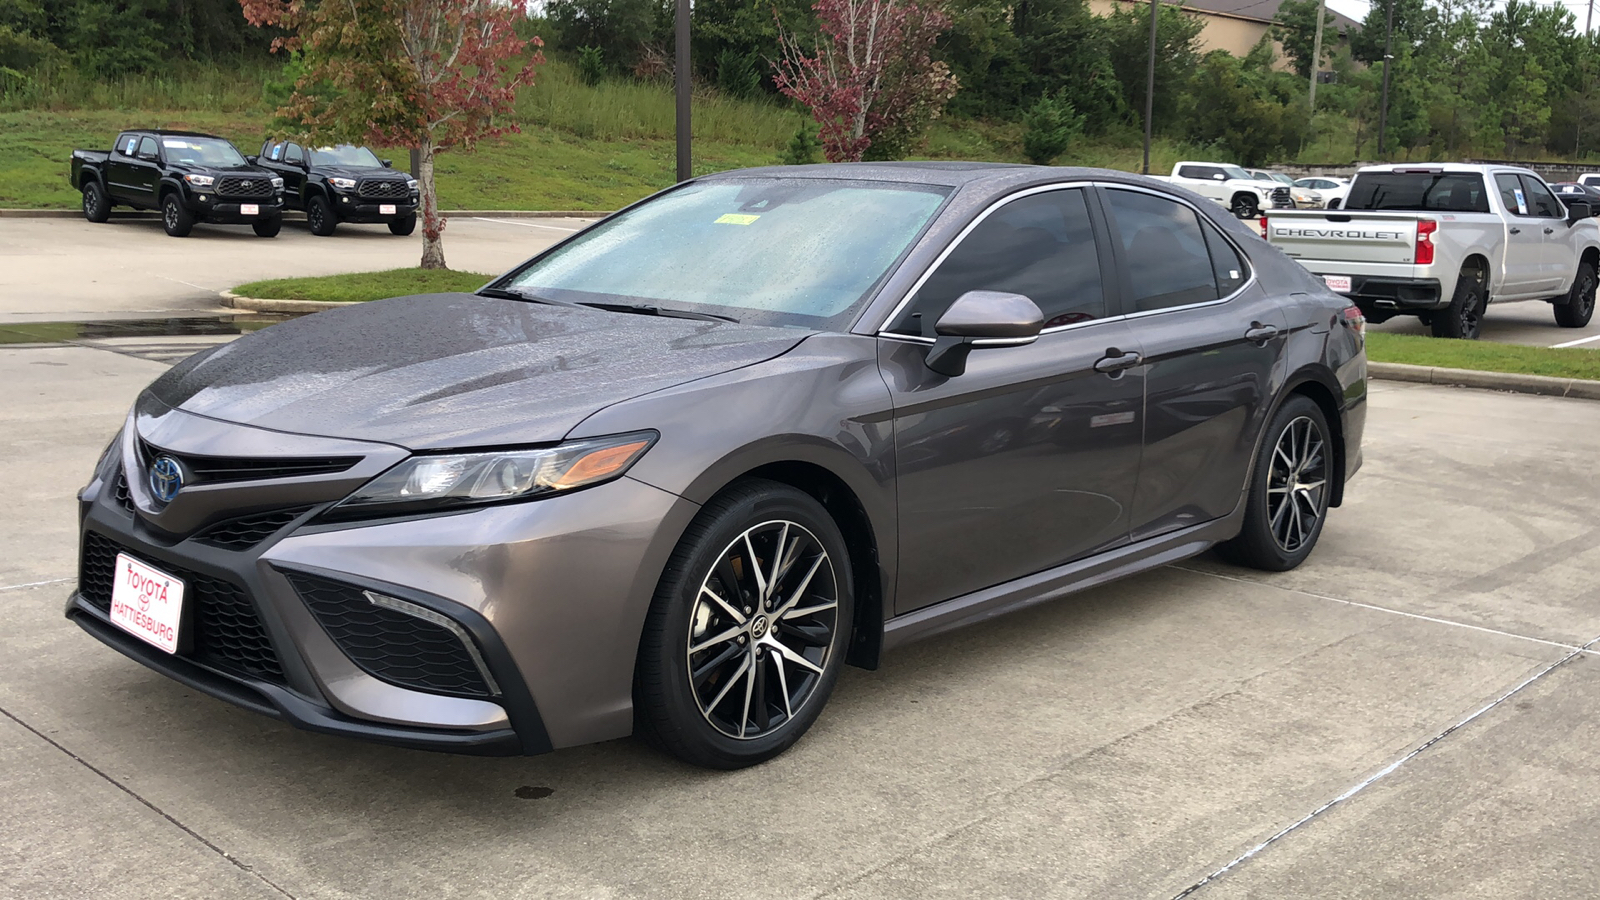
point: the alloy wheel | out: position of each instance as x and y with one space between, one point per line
1585 297
1297 484
1471 319
169 216
762 629
314 217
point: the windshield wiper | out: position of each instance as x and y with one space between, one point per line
515 294
643 309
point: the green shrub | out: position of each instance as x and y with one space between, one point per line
802 148
1049 128
591 65
738 74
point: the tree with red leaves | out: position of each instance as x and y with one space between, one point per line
436 75
872 80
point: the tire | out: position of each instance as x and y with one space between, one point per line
96 205
404 226
1334 203
267 228
176 219
319 215
709 618
1289 491
1463 318
1245 206
1579 308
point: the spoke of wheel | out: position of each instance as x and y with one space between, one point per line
777 563
783 686
797 659
732 680
755 568
810 610
790 558
726 606
814 635
1309 486
804 583
698 676
749 688
1277 517
763 717
710 642
730 579
1295 526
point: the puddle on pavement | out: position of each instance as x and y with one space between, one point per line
192 326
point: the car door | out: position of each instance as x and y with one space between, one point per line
1525 259
145 183
1210 181
1560 261
121 168
1029 459
294 172
1213 343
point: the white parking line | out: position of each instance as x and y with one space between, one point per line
15 587
1592 337
523 224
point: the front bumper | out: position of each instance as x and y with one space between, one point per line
350 208
218 210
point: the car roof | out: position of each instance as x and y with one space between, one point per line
169 132
980 175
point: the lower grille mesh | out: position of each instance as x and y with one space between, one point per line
247 531
391 645
227 632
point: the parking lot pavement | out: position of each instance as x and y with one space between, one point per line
1126 742
1523 322
58 270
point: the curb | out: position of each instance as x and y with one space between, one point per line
257 304
470 213
1495 381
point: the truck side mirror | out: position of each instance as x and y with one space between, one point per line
1219 177
387 163
1577 211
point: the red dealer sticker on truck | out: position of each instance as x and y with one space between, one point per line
1339 283
147 603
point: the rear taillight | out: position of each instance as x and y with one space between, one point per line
1355 320
1263 226
1425 230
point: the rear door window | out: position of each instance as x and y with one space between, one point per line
1165 257
127 144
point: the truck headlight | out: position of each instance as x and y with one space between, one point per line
277 183
343 184
200 180
412 184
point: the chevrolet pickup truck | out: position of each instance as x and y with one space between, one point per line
1231 186
1442 241
190 177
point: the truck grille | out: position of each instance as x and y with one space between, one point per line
375 189
253 186
227 632
1282 196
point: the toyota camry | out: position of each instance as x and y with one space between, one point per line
671 475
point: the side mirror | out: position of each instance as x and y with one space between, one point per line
1577 211
1219 177
253 160
387 163
982 319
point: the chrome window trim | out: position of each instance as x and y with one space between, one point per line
1243 286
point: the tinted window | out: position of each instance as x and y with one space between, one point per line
1419 191
1511 195
1041 246
147 147
345 155
277 152
1207 172
1540 201
127 144
1590 179
1164 251
293 154
1227 263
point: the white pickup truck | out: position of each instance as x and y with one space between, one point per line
1231 186
1441 241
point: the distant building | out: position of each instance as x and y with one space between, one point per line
1236 25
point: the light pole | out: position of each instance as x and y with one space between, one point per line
1388 54
685 164
1316 54
1150 86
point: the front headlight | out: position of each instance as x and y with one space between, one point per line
277 183
200 180
411 183
343 184
454 480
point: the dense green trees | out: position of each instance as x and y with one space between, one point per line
111 37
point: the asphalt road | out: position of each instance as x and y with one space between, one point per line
1130 742
1523 322
56 270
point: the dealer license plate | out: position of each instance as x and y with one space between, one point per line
147 603
1338 283
386 209
249 209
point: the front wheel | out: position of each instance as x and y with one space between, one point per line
319 216
404 225
177 220
267 227
1289 490
1463 318
1579 308
1245 206
96 205
748 629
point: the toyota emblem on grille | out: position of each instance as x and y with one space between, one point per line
166 478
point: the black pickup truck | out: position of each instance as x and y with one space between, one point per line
190 177
342 184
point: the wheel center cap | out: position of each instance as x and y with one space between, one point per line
758 628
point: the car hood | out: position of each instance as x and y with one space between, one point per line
378 174
244 171
455 370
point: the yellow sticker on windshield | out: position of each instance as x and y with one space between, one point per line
736 219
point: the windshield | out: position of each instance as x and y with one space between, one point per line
774 251
345 155
1280 178
202 151
1419 191
1234 172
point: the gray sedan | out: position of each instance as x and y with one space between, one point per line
671 475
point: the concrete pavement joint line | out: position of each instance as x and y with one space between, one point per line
1384 772
151 806
1398 612
524 224
18 587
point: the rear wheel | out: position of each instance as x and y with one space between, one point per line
1463 318
1289 490
746 634
1245 206
267 227
177 220
1579 308
403 226
96 205
319 215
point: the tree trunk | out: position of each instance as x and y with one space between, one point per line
432 222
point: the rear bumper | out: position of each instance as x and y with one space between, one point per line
1373 293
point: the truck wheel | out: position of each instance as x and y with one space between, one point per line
177 220
1579 308
1245 206
1463 318
96 207
403 226
267 227
319 215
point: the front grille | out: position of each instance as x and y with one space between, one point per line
244 468
374 189
255 186
391 645
120 492
247 531
1282 196
226 630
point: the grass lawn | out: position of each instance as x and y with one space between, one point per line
1417 350
359 286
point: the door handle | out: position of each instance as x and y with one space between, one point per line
1261 333
1549 230
1116 361
1516 230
